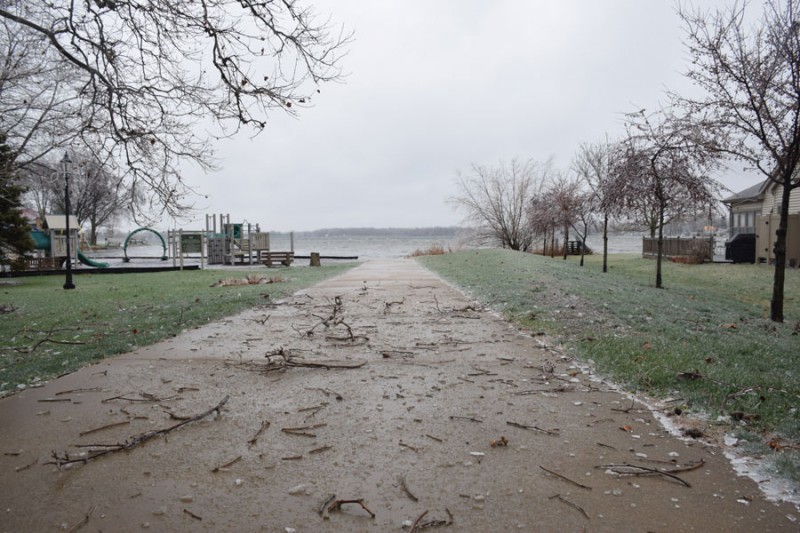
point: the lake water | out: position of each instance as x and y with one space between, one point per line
365 247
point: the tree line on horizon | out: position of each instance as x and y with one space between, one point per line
429 231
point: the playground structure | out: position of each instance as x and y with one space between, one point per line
220 243
50 244
226 243
127 259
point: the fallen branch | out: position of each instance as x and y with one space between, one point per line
337 506
387 306
471 419
627 469
250 279
63 392
27 466
83 522
133 442
302 431
101 428
351 339
145 397
283 362
320 450
416 522
187 511
330 321
533 428
568 480
264 426
628 410
314 408
331 504
38 343
410 447
432 523
406 489
323 509
327 392
389 354
560 388
571 504
227 465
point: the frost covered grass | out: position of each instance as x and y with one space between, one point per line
46 331
705 341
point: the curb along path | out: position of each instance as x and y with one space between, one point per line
383 391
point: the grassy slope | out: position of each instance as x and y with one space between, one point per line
710 319
110 314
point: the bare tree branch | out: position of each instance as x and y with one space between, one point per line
143 81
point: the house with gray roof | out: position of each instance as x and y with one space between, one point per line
754 217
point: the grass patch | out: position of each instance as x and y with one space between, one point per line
47 331
705 339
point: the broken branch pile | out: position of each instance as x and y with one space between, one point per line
99 450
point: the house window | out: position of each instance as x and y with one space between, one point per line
744 222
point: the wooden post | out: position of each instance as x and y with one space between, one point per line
314 259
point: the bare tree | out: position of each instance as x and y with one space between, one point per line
570 208
751 77
96 194
584 218
38 103
496 200
662 171
147 80
39 180
593 163
543 218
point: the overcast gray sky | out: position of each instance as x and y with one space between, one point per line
436 85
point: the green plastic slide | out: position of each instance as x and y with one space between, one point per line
90 262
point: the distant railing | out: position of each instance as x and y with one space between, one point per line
697 248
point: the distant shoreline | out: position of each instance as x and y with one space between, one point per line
432 231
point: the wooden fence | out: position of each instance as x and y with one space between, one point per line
696 248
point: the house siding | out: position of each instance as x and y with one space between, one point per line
772 199
794 202
768 221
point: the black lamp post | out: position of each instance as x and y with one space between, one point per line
65 162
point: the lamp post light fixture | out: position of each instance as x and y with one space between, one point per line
65 163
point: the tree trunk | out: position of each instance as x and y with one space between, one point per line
566 241
605 242
583 243
776 304
660 247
